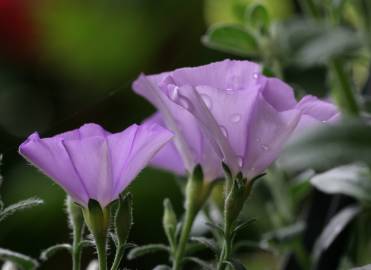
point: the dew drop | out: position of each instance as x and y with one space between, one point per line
258 140
207 101
229 91
235 118
240 161
224 131
174 93
324 121
256 75
265 147
184 103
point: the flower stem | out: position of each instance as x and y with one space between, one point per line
100 243
345 96
118 258
196 193
190 215
76 249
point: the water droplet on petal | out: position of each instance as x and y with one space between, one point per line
174 92
229 91
224 131
207 101
324 121
184 103
235 118
256 75
265 147
258 140
240 161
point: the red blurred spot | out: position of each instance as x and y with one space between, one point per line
17 33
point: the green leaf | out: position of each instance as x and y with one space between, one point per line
263 246
329 146
162 267
235 264
22 205
365 267
308 43
22 261
242 226
49 252
147 249
353 180
231 38
207 242
204 265
257 16
216 227
286 233
332 230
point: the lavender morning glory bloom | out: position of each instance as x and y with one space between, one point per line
231 111
91 163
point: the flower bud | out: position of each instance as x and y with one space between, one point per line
169 221
124 218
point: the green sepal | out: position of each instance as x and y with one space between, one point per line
236 198
97 219
124 218
169 222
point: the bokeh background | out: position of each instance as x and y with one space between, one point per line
64 63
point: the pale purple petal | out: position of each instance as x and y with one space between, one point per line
191 100
51 157
224 75
177 119
92 162
316 112
168 157
279 95
318 109
269 130
147 141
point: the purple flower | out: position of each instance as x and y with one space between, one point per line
227 111
91 163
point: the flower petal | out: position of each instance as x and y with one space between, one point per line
318 109
52 158
92 161
168 157
279 95
227 74
191 100
146 142
177 119
269 130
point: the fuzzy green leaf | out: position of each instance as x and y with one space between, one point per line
204 265
336 225
232 39
22 261
147 249
22 205
353 180
49 252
